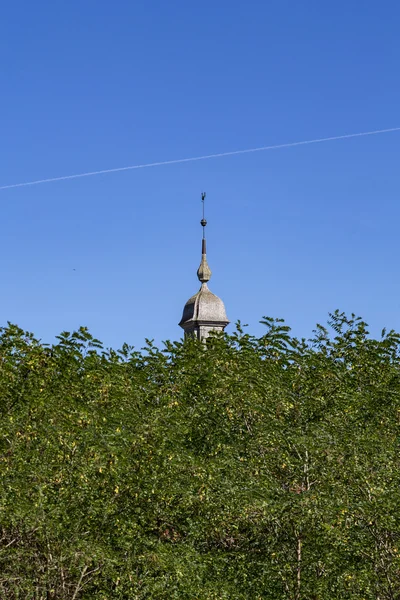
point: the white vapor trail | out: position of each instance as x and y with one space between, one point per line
196 158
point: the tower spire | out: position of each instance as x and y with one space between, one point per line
204 271
204 312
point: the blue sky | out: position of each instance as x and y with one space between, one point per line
293 233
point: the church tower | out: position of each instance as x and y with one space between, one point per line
203 312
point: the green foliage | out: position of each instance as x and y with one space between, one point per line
246 468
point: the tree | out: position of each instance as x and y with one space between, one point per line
247 468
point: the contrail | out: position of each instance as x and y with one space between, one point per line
196 158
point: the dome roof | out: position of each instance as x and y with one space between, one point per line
205 307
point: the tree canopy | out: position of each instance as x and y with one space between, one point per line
243 468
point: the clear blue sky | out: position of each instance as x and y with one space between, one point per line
293 233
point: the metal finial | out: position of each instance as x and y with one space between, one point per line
203 222
204 271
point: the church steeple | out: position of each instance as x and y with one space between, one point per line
203 312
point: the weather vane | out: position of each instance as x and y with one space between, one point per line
203 222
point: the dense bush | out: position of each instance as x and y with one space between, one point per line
249 468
